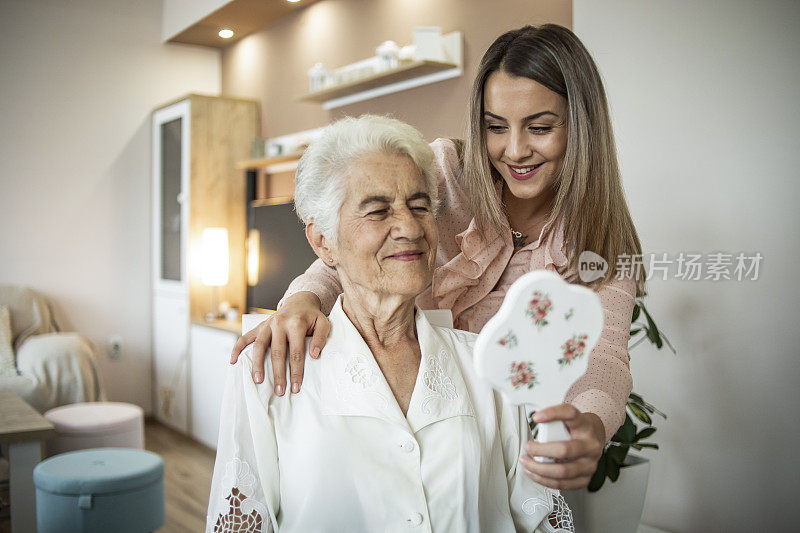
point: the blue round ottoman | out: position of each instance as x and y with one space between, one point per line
101 489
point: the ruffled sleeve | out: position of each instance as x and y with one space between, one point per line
469 276
553 254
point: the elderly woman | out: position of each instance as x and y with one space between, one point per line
392 429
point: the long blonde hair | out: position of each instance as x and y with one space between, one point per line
589 198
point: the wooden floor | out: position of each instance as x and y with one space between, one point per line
188 466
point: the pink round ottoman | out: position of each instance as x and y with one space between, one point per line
80 426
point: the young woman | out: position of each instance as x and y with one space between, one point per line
535 184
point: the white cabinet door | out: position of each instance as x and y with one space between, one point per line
210 351
171 142
170 345
170 288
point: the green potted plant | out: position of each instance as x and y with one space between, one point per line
629 434
619 506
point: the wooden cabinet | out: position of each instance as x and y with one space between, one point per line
197 141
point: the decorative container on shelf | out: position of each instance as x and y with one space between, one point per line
316 77
428 43
407 53
388 54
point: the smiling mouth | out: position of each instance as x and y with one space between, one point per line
411 255
521 171
524 173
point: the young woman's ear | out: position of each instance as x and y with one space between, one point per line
320 244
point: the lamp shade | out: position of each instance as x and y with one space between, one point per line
215 260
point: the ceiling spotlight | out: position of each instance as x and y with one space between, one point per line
226 34
293 1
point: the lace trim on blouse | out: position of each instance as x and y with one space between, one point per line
360 379
243 513
437 381
560 518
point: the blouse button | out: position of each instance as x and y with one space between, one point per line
414 520
407 446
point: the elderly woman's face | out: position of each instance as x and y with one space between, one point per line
387 233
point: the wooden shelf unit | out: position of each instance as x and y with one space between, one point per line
266 162
273 200
271 178
196 144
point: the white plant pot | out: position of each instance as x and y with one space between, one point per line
617 506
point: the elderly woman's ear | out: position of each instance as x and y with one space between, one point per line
319 243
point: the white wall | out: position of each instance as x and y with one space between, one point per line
78 81
706 108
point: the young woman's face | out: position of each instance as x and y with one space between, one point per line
526 134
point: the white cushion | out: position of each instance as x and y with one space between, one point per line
81 426
95 417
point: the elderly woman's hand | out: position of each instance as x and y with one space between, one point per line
576 459
299 316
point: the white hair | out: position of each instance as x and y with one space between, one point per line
319 189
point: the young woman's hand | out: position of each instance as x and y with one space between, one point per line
300 315
576 459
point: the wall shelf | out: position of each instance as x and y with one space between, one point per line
267 162
275 200
406 76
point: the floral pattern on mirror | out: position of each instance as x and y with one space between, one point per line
509 340
539 307
573 349
521 374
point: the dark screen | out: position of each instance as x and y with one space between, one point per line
284 253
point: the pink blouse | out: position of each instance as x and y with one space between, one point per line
473 274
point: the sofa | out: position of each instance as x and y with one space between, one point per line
53 368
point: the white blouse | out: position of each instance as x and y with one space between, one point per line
340 455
